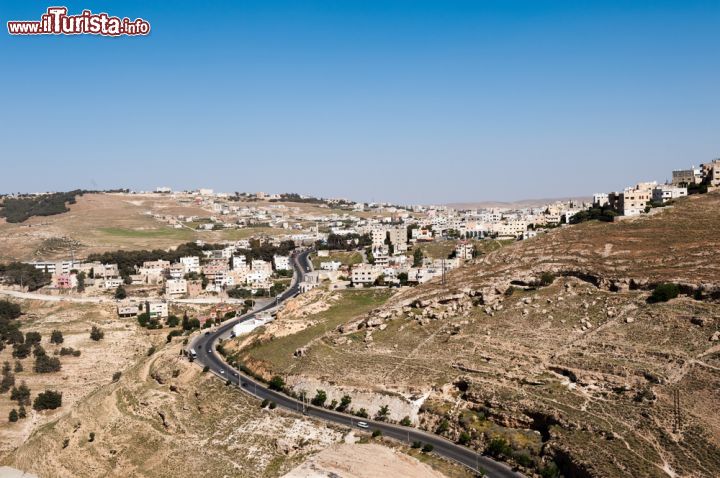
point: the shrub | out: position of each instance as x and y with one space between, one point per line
46 364
120 293
56 337
116 376
69 351
277 383
499 446
427 448
13 417
174 333
96 333
91 437
417 444
18 366
8 381
382 413
273 405
172 321
547 278
319 399
21 350
664 292
151 351
406 421
362 413
206 369
21 412
376 433
21 394
443 427
344 403
48 400
33 338
464 438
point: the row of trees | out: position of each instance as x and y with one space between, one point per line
25 275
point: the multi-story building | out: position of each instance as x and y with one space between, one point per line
711 173
686 177
365 274
156 309
634 200
665 193
175 287
464 250
282 263
191 264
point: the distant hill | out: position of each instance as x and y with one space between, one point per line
22 208
523 203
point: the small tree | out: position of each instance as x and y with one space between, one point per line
120 293
80 281
417 444
376 433
33 338
21 394
116 376
21 350
417 257
547 278
45 364
56 337
427 448
48 400
464 438
18 366
382 413
21 412
362 413
172 321
344 403
319 399
406 422
443 427
96 333
13 417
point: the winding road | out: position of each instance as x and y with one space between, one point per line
204 346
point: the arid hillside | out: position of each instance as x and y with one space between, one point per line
571 371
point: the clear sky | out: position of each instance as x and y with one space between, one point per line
407 101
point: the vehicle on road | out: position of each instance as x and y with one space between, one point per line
363 425
193 354
222 372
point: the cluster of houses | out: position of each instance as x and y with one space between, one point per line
637 199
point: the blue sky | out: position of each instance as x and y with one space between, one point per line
409 101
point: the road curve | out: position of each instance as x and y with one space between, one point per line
204 346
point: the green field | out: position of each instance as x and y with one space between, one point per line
277 354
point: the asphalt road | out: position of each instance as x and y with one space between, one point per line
204 347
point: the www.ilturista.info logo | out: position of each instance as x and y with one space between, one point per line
57 22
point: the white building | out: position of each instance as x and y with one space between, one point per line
156 309
365 274
175 287
330 265
665 193
464 250
282 263
191 264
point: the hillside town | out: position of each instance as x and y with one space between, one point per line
388 240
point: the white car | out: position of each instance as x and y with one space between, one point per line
362 425
222 372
